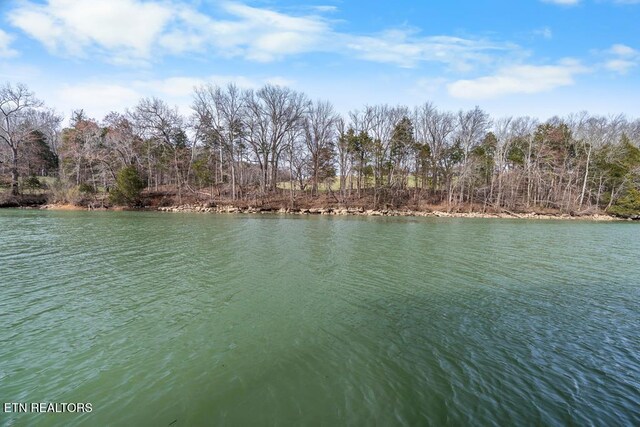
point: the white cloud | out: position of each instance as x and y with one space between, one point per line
544 32
575 2
256 34
563 2
5 45
325 8
623 50
130 30
135 31
404 48
621 58
127 29
518 79
620 66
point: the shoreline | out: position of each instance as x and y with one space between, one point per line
343 211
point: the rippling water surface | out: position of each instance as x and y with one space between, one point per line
179 319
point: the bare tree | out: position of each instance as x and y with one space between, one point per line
270 114
299 161
593 132
19 119
220 112
344 150
319 131
121 140
471 128
258 137
162 126
79 149
435 128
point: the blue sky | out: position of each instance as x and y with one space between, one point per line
526 57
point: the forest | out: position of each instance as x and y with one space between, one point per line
275 145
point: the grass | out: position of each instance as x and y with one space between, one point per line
335 184
47 181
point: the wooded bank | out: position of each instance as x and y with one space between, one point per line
275 147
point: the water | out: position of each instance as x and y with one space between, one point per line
179 319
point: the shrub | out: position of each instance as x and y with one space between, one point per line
627 206
5 182
85 188
32 183
62 193
128 187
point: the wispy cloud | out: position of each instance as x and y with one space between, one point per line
254 33
5 45
518 79
131 31
544 32
576 2
406 49
622 58
562 2
325 8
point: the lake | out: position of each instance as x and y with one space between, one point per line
195 319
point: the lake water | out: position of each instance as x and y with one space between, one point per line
187 319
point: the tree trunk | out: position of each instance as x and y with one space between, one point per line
291 176
14 171
233 179
275 159
586 175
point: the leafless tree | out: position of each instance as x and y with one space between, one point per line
161 127
21 115
270 114
219 112
319 126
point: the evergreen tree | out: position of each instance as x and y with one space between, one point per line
128 188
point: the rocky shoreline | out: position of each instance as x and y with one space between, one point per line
343 211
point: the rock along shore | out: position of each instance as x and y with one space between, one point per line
341 211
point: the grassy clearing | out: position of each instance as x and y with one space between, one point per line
46 182
334 184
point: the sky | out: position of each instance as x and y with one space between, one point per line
528 57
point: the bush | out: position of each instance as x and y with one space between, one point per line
128 187
85 188
5 182
627 206
62 193
32 183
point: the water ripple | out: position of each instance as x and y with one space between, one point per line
265 320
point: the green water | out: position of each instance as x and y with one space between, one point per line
179 319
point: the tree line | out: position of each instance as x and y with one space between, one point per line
248 144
